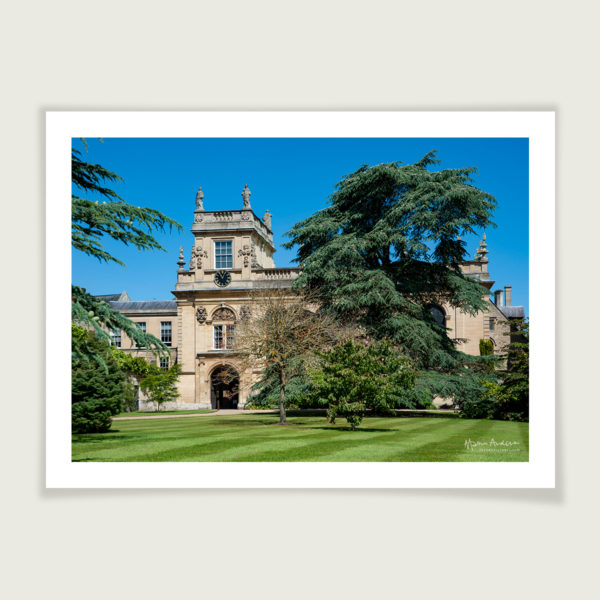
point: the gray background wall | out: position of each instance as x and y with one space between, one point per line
310 55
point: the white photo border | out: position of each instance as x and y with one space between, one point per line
539 127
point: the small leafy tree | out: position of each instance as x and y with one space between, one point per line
160 385
354 378
136 368
97 391
281 336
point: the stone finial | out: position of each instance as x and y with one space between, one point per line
482 251
267 219
181 261
199 199
246 196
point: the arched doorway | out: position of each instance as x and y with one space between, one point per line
224 387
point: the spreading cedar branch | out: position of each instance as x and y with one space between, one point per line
96 315
113 217
388 246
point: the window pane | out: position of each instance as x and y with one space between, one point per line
218 336
142 326
164 362
230 336
224 255
166 332
115 334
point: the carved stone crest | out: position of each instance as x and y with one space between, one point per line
247 252
245 312
197 255
201 314
254 263
198 218
223 314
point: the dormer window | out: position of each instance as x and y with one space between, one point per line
224 254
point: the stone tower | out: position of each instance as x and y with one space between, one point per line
232 255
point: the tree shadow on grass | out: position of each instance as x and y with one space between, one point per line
357 430
83 438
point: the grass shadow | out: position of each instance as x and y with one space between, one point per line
348 428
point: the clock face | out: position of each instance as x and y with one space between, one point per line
222 278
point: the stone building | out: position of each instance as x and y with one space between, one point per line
232 255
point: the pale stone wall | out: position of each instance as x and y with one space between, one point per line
472 328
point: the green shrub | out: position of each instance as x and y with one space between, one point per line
486 347
353 378
506 396
483 405
97 390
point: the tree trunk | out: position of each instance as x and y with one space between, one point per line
282 419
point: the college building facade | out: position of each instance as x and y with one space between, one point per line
232 257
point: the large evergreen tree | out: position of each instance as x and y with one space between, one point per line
103 213
388 246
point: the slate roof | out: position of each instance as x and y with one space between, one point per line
513 312
145 305
109 297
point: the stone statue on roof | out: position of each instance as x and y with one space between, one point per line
199 199
246 196
267 219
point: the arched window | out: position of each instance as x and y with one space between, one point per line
438 314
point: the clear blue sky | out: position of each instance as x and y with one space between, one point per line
293 178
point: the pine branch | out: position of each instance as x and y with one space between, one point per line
89 312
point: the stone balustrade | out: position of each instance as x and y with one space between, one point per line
276 274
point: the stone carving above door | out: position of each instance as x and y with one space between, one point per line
201 314
223 314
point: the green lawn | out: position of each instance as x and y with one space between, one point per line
153 413
257 437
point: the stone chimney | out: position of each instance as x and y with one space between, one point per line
498 299
507 292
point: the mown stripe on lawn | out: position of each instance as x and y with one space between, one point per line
259 438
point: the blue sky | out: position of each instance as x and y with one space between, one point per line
293 178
